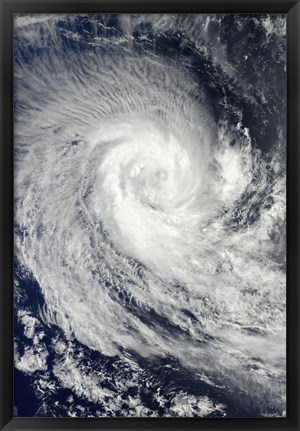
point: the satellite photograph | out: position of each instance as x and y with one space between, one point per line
150 215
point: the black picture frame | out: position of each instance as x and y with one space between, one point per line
292 10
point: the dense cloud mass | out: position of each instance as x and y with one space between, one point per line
150 215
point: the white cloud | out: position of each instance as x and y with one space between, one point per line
33 359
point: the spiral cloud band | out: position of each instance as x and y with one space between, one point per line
150 214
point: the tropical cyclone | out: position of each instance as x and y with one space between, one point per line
134 200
